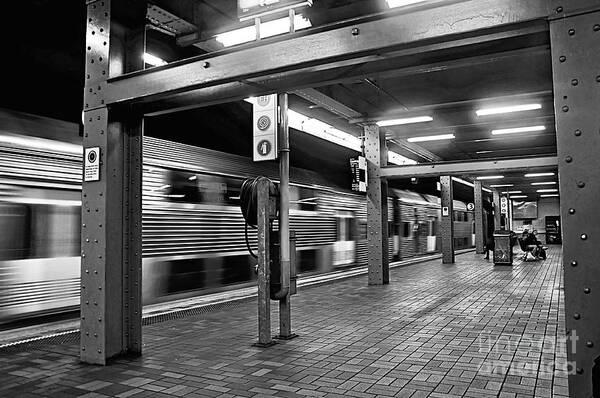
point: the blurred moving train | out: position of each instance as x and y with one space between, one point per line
193 230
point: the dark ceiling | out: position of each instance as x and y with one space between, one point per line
45 77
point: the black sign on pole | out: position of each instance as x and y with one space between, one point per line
359 174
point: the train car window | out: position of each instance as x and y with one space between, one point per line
182 187
16 219
406 229
233 191
306 199
55 231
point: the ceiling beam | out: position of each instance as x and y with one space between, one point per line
342 43
461 168
328 103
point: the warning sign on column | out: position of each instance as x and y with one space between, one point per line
91 168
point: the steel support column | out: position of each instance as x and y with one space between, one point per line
377 208
479 232
111 253
497 213
575 42
447 223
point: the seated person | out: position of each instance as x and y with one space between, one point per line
530 240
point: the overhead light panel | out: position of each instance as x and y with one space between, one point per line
153 60
489 177
511 192
544 183
550 195
507 109
501 185
547 190
407 120
431 138
460 180
518 197
518 130
267 29
539 174
486 190
482 152
402 3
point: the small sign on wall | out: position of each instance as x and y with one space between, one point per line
91 169
445 211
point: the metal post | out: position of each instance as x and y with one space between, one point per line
447 224
497 212
264 295
377 207
285 321
111 255
479 232
575 42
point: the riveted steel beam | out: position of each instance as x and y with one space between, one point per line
479 233
575 41
377 206
343 43
447 221
461 168
111 253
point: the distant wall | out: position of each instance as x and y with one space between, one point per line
546 207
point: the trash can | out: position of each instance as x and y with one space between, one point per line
502 248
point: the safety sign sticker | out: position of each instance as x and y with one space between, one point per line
91 168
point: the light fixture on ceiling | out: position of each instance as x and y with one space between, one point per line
464 182
482 152
486 189
544 183
512 192
501 185
489 177
518 197
547 190
507 109
402 3
550 195
518 130
431 138
153 60
406 120
267 29
539 174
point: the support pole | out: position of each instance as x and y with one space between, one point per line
285 318
575 45
111 253
263 243
479 232
377 207
497 212
447 224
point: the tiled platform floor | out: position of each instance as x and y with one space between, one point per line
469 329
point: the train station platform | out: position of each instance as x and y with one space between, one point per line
468 329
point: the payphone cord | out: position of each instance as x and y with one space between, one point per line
248 205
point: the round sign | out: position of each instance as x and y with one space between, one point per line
92 156
470 206
264 100
264 147
263 122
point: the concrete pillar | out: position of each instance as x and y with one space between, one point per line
479 232
447 223
377 209
575 45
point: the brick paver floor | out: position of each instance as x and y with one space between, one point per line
468 329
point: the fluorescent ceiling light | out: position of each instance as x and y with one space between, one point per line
431 138
507 109
518 196
544 183
489 177
511 192
486 189
402 3
517 130
481 152
501 185
551 195
460 180
547 190
153 60
267 29
539 174
407 120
